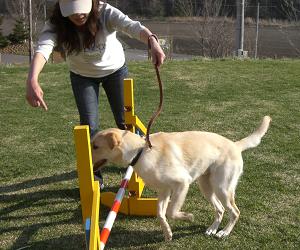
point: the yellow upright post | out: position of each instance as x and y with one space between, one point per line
94 230
84 169
88 188
137 204
136 184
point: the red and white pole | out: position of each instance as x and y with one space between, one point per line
114 209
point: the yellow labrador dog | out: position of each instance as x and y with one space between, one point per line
178 159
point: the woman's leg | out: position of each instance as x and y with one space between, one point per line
114 89
86 93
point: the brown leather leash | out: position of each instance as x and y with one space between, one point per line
158 111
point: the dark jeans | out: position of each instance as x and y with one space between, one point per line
86 93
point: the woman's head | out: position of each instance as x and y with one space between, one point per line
68 17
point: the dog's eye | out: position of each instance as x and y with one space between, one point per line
95 146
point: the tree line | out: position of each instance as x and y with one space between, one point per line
269 9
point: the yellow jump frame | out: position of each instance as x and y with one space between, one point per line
134 204
90 197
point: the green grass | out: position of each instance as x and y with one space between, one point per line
39 196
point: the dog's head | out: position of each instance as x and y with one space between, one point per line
115 146
106 147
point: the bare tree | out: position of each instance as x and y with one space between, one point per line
212 28
18 10
185 7
291 8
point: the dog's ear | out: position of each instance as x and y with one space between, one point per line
113 139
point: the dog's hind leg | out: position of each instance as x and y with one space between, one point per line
207 191
233 210
177 200
225 192
162 204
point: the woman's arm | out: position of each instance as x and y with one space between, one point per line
45 45
34 93
117 20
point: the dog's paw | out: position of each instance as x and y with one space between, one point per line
210 231
222 234
168 237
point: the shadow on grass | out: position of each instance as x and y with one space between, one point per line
54 243
31 206
121 237
124 236
38 182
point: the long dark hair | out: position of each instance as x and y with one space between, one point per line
67 35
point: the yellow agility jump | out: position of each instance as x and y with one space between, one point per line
134 204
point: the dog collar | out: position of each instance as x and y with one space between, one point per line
136 158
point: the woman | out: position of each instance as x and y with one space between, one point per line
85 30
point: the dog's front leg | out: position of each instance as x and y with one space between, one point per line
162 204
178 197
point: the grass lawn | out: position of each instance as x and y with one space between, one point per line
39 196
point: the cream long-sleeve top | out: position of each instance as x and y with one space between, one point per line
107 55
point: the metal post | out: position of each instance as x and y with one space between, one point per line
256 37
45 11
240 4
30 31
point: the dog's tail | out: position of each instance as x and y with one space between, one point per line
254 139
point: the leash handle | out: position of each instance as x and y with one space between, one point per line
158 111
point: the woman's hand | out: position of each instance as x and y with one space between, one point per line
157 54
35 94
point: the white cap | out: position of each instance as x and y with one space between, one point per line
70 7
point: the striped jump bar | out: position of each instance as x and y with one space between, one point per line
114 209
